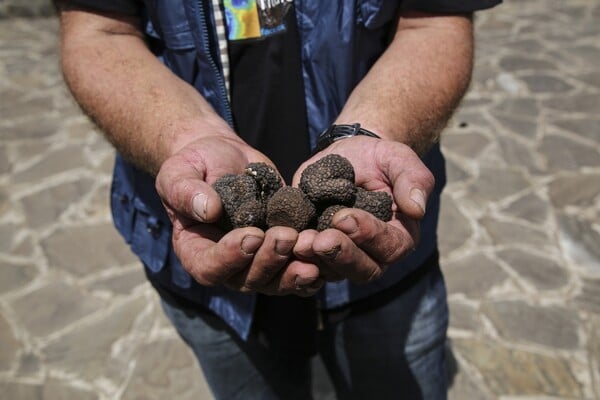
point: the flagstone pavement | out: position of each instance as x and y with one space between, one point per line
519 235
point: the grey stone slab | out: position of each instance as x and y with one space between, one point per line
99 202
31 8
511 372
37 128
579 240
166 369
27 152
575 103
470 102
5 164
527 46
483 75
518 125
464 316
474 275
454 228
585 127
519 63
563 154
54 306
494 184
46 206
525 107
87 351
540 83
10 110
24 247
50 390
29 364
588 299
468 118
7 235
455 173
83 250
590 78
468 144
530 208
554 327
14 276
586 54
464 387
542 272
5 201
61 160
574 190
121 284
594 351
9 345
504 233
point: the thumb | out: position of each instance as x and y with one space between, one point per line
411 180
184 191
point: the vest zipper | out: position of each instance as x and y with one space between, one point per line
216 70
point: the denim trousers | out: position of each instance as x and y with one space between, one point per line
393 349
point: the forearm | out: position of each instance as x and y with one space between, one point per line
146 111
412 90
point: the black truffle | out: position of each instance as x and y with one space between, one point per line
266 177
235 191
324 221
329 180
250 213
289 206
377 203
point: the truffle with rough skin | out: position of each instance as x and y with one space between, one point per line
250 213
377 203
290 207
324 221
329 180
235 190
266 177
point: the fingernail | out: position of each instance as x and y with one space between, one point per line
348 224
418 197
199 204
250 244
284 247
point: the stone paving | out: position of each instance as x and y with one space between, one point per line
520 227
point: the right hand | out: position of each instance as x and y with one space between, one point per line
244 259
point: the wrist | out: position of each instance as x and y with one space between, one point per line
182 133
341 131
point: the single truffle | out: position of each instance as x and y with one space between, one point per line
324 221
235 190
250 213
329 180
377 203
289 206
266 177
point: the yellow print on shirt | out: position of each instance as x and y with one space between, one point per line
251 19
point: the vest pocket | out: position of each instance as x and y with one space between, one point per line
150 238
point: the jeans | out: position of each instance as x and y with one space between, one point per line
393 349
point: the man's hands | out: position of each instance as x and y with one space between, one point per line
361 246
281 260
245 259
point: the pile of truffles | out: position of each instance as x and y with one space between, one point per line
258 198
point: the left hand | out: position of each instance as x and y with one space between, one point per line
361 246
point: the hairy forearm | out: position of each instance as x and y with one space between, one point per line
146 111
412 90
